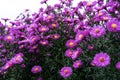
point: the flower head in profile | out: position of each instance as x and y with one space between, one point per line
101 59
77 64
36 69
76 53
97 31
113 26
71 43
118 65
66 72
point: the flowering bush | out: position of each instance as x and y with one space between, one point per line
63 42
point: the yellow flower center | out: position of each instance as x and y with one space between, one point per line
36 69
66 71
89 3
114 25
44 43
97 30
53 25
9 37
100 14
55 36
71 43
43 29
49 17
70 53
101 59
80 36
105 18
78 64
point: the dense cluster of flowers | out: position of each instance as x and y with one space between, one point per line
65 37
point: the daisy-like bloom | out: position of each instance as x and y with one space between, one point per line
80 35
97 31
71 43
9 38
43 29
54 25
44 42
101 59
66 72
69 53
77 64
56 36
76 53
36 69
113 26
118 65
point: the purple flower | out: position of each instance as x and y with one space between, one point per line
69 53
101 59
76 53
97 31
56 36
66 72
9 38
118 65
77 64
43 42
80 35
17 59
43 29
113 26
54 25
36 69
71 43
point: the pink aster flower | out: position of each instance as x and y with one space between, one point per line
56 36
71 43
69 53
77 64
118 65
36 69
76 53
80 35
97 31
54 25
9 38
113 26
66 72
43 29
43 42
17 59
101 59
